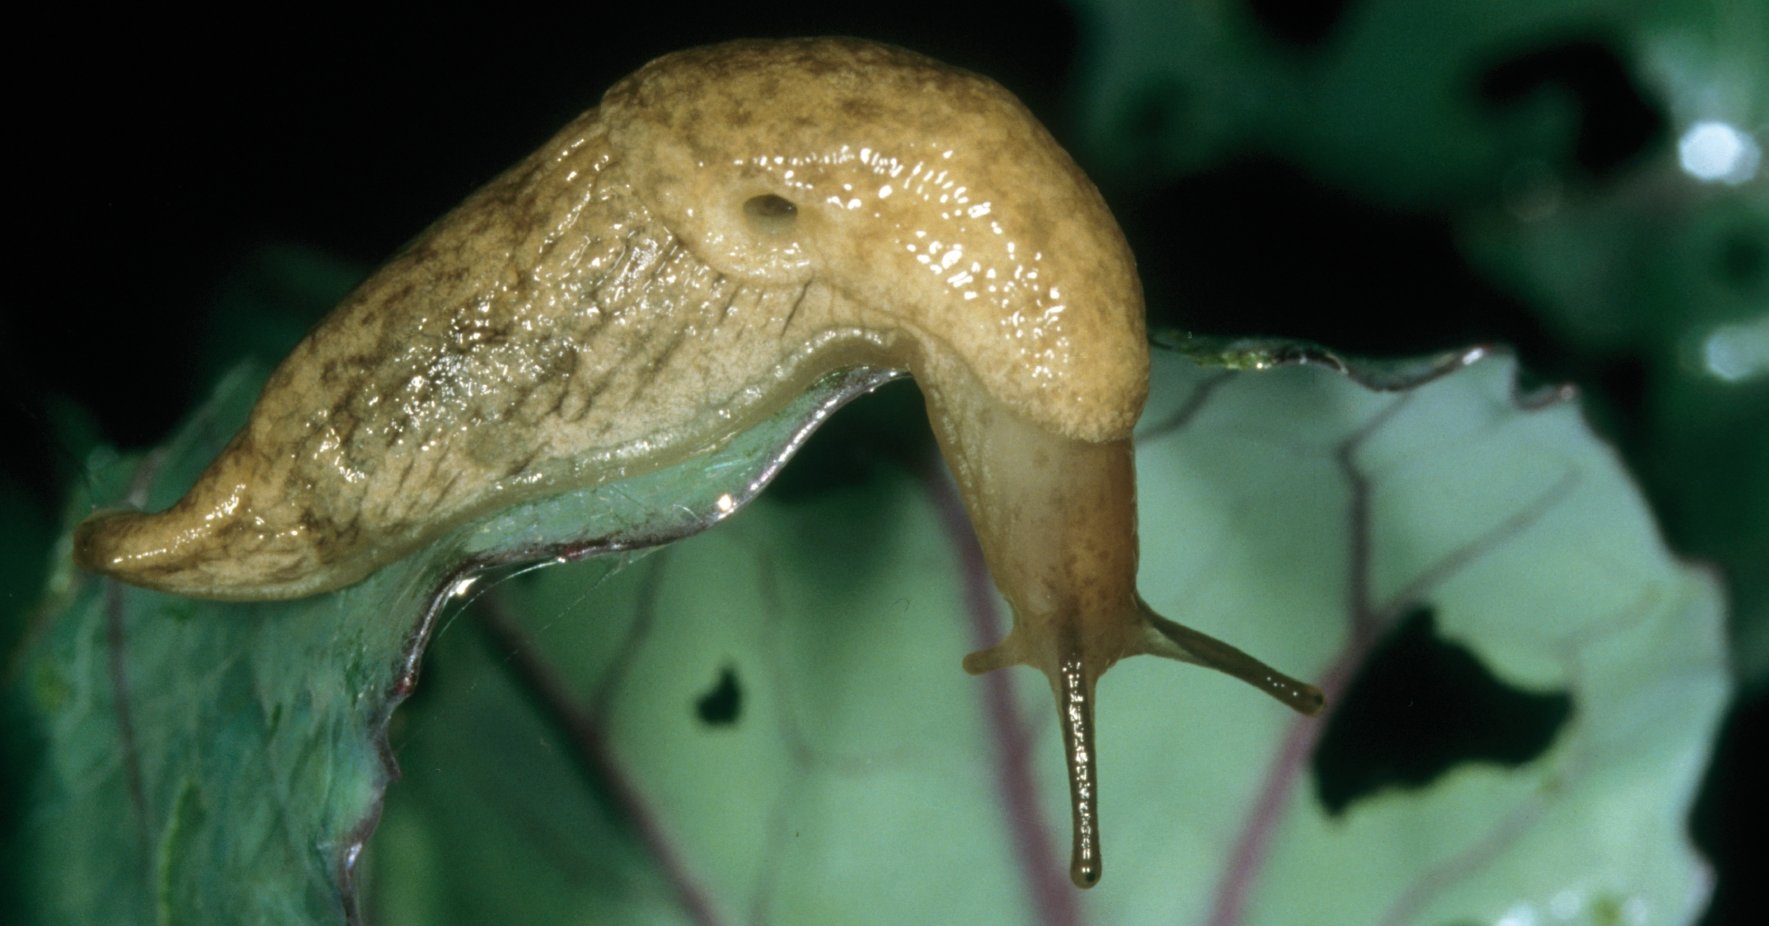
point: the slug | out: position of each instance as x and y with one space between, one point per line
731 224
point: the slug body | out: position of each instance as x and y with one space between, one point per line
731 224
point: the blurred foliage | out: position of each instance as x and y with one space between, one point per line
1583 179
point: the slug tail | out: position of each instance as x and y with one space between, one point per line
100 541
162 550
215 543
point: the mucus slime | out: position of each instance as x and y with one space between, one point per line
730 225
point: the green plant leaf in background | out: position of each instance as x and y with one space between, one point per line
767 722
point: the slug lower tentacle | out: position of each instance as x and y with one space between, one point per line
731 224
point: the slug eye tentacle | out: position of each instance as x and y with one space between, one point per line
1075 705
1172 640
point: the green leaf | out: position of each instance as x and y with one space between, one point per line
561 764
204 760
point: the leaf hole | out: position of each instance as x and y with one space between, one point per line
723 702
1422 706
1618 120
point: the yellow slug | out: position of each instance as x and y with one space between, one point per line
731 224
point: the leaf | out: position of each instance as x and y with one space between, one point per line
205 760
559 766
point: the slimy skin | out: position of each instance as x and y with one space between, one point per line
730 225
